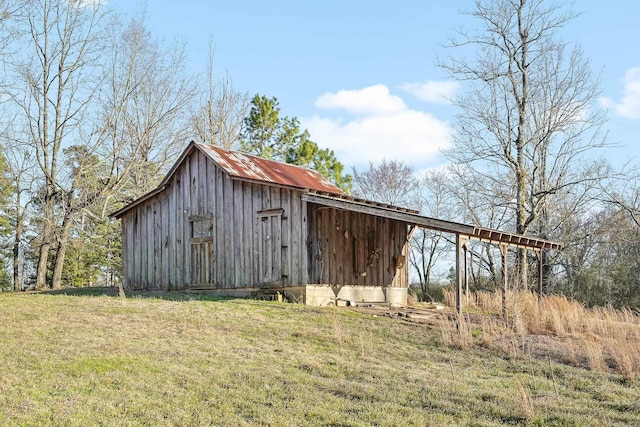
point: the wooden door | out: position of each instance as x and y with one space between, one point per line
272 247
202 256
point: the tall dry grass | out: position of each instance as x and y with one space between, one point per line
605 338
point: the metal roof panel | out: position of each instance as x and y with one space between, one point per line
246 166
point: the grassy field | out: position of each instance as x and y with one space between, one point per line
92 359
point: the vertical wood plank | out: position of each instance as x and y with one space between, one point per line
194 178
393 241
238 220
378 263
149 244
180 279
353 274
329 258
143 246
185 225
140 251
331 247
125 258
321 244
312 259
285 225
397 277
405 253
304 243
202 184
229 231
295 242
210 268
266 198
276 272
347 251
211 203
340 246
171 235
269 230
164 240
247 234
276 237
135 253
219 227
361 248
257 234
373 251
158 243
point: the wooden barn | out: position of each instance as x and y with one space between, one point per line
241 225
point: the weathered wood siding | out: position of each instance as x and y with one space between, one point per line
351 248
206 229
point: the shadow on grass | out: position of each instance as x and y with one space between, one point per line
112 291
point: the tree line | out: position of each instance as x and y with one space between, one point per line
95 109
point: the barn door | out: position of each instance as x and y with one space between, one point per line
273 247
201 249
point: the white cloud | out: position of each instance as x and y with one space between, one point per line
370 100
629 105
383 129
440 92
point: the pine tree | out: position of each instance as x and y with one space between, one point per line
266 134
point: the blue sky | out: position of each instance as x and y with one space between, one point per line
361 75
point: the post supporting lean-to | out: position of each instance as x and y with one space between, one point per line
505 275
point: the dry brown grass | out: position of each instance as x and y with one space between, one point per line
459 336
600 338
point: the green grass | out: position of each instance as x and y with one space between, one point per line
181 359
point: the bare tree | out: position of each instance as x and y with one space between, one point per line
219 119
104 110
138 129
54 80
389 181
21 165
528 115
145 104
429 246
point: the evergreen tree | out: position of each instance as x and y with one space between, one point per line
266 134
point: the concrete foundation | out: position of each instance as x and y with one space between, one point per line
320 295
324 295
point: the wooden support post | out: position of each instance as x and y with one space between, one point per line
539 256
466 275
459 243
505 311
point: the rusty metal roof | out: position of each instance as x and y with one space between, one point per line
246 166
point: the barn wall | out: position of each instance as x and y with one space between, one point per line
351 248
142 246
208 230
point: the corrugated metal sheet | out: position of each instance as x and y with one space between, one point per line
250 167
